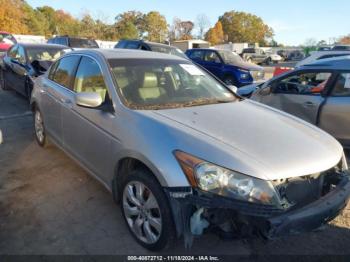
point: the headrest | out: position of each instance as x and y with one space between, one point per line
150 80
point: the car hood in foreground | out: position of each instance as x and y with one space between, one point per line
259 136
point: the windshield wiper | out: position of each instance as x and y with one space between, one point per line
207 102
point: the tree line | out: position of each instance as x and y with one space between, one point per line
18 17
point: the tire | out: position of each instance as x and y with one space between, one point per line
230 81
268 61
159 233
2 81
39 128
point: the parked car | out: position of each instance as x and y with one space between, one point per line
6 41
295 55
150 46
324 48
283 54
318 93
73 42
319 55
170 142
258 56
341 47
24 62
227 66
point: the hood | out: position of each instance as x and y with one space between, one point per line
262 136
247 66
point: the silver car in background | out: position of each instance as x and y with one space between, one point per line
318 93
182 153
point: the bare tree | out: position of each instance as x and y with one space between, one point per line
202 23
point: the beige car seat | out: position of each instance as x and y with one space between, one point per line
150 88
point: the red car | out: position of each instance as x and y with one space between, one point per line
6 41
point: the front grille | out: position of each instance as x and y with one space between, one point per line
257 74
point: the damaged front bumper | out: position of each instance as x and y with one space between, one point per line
252 218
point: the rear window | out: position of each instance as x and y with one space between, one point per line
331 55
82 43
132 45
167 50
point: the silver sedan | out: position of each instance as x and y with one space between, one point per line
182 153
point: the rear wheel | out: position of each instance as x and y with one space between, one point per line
39 128
146 210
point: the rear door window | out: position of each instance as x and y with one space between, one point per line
65 71
212 56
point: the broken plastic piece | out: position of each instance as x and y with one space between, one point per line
198 224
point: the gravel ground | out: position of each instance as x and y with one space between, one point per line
49 205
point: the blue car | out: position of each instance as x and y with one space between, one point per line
227 66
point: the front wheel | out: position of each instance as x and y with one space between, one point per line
146 210
39 128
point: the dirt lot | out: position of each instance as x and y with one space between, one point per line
49 205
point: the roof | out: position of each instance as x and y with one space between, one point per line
34 45
128 54
147 42
337 63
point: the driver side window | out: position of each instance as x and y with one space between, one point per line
89 78
306 83
211 56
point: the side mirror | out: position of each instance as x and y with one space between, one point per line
88 99
234 89
265 91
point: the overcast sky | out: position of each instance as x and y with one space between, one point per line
293 21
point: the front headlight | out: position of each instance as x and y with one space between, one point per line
225 182
244 74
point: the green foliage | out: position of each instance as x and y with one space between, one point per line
244 27
156 26
127 30
215 35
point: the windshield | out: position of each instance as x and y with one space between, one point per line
158 84
168 50
45 54
7 38
230 58
82 43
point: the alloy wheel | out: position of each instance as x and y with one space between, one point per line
39 126
142 212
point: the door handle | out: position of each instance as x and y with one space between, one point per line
309 104
67 102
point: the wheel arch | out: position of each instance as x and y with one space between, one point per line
129 163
